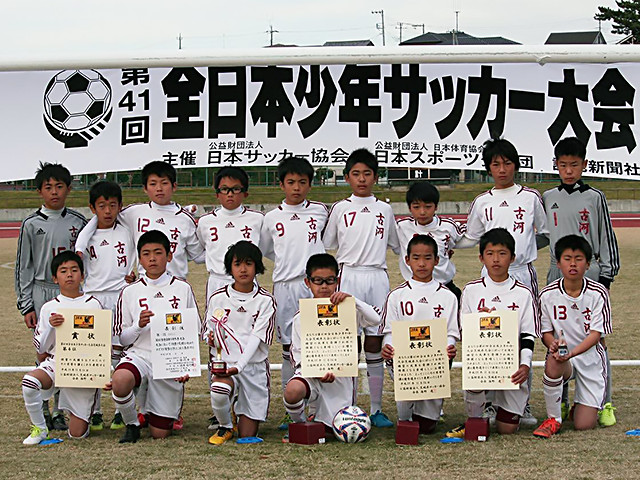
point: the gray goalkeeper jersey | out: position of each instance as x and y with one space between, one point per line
582 210
43 235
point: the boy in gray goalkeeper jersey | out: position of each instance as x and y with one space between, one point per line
574 207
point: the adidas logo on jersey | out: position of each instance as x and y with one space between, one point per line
555 205
504 204
229 225
158 295
104 243
160 221
365 210
294 217
40 232
423 300
241 309
496 299
574 307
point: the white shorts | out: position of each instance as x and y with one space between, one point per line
81 402
215 282
109 301
525 274
554 272
327 399
251 391
164 397
590 373
371 285
287 296
425 408
513 401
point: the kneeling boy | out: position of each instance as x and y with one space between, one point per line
575 313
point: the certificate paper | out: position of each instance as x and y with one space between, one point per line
329 337
420 361
176 343
83 348
490 350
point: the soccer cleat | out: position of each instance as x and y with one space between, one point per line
36 436
179 423
380 420
142 420
490 413
284 424
441 417
606 417
221 436
549 427
97 422
528 418
564 409
59 422
213 423
117 423
47 417
285 439
456 432
131 434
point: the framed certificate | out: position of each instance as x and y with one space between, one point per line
176 343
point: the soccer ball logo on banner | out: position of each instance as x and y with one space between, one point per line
77 106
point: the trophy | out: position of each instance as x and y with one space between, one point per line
218 365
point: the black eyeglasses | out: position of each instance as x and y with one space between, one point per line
228 190
320 280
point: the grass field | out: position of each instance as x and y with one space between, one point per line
603 453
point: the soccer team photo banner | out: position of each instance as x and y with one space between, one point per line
420 115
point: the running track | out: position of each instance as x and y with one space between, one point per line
620 220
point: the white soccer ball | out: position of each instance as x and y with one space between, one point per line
351 425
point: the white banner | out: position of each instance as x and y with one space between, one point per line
420 115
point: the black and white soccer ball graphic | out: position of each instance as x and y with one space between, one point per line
77 106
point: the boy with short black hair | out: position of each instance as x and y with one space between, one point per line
66 271
419 298
422 199
361 228
155 290
291 233
575 313
53 228
575 207
499 291
241 319
329 394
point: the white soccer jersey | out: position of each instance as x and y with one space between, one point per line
576 317
222 228
290 235
507 295
366 316
414 300
445 231
110 256
44 336
160 295
361 229
241 315
518 209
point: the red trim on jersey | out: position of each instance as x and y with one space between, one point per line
488 192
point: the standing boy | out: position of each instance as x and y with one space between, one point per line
575 313
422 200
52 229
576 208
361 228
38 385
290 235
419 298
155 291
500 291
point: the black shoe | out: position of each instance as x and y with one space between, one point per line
131 434
58 422
48 419
213 423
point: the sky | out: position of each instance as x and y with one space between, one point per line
81 27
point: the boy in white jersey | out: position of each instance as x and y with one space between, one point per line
361 228
37 385
240 324
156 290
160 213
500 291
575 207
290 235
575 314
422 200
52 229
109 257
421 297
328 394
